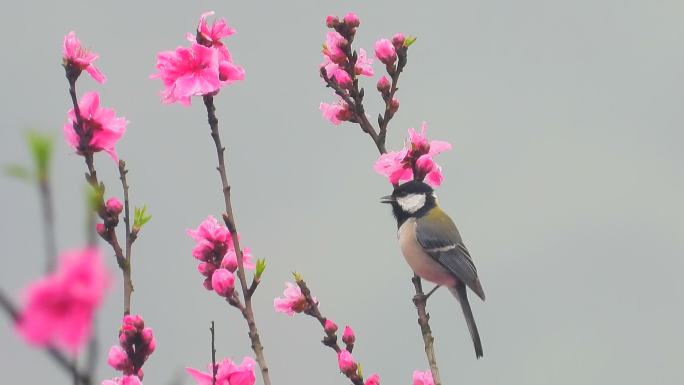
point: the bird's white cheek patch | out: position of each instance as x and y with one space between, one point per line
412 203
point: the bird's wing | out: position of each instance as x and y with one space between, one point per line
437 234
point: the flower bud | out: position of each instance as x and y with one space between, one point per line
100 228
398 40
206 268
134 320
385 51
207 283
148 338
229 261
330 326
346 362
394 105
373 380
117 358
352 20
223 282
383 85
343 79
114 206
348 336
331 21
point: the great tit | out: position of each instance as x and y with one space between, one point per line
433 248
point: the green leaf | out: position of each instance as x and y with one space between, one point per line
41 147
297 276
140 217
260 267
409 40
18 171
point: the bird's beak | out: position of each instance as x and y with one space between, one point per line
387 199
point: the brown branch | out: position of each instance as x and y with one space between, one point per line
229 219
384 119
130 238
214 368
62 360
91 177
420 300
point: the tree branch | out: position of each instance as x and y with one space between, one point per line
229 219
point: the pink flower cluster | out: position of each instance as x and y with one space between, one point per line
345 360
293 301
76 58
414 161
201 69
337 67
227 373
58 309
100 128
136 344
214 248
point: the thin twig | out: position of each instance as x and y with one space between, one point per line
62 360
128 282
214 368
229 219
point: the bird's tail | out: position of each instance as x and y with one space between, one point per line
459 291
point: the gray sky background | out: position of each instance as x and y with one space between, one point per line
565 180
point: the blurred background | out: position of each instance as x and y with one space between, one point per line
565 180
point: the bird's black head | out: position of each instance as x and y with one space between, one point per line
411 199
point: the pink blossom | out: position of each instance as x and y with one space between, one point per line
101 128
125 380
417 153
348 336
58 309
352 20
293 300
336 113
346 362
230 259
188 72
422 378
214 33
330 326
364 65
136 342
230 72
223 282
374 379
78 57
114 206
332 48
118 358
385 51
212 240
227 373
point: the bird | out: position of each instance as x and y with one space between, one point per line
433 248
